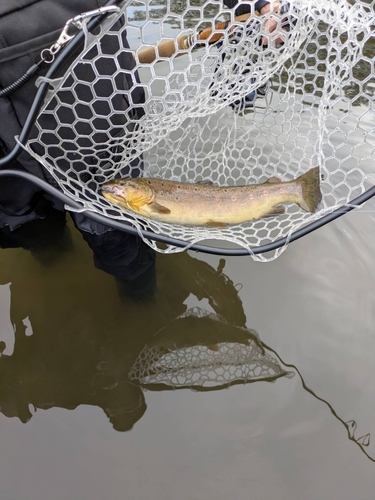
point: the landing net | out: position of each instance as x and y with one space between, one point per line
180 116
199 350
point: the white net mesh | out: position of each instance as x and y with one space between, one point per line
178 359
192 126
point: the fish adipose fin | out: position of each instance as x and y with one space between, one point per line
276 210
206 182
273 180
159 209
311 194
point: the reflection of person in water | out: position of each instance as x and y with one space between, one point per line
85 338
77 342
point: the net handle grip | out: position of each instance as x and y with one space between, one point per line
169 48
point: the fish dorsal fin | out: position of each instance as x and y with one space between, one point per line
273 180
157 208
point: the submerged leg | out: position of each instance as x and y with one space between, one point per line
124 256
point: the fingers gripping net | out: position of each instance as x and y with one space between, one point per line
178 114
182 358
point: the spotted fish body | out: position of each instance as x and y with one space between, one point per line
208 205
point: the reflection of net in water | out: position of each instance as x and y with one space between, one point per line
171 363
319 110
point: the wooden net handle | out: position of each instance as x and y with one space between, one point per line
168 48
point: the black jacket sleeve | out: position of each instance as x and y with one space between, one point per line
244 8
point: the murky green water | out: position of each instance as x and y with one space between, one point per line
76 425
274 393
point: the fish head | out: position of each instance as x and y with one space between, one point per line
131 193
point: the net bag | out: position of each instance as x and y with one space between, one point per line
199 350
191 126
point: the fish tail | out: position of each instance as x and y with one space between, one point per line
311 194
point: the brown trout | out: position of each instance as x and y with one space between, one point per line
204 204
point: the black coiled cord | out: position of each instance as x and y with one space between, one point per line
22 80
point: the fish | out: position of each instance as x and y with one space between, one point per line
205 204
210 331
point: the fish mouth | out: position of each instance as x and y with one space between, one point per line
113 190
107 188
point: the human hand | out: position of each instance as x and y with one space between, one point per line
271 24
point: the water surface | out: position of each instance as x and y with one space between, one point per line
75 424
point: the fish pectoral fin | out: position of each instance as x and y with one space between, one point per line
215 223
159 209
276 210
273 180
133 206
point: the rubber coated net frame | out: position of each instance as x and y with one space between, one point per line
319 110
